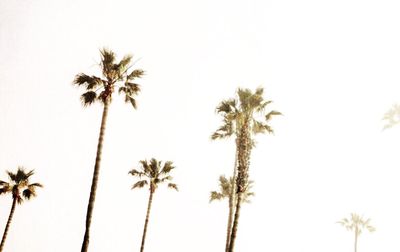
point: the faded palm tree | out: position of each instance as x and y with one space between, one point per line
115 75
356 223
155 173
226 191
240 119
392 117
20 188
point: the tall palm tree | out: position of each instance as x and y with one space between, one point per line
356 224
20 189
226 186
240 118
101 89
231 126
155 173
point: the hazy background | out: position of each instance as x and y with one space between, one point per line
331 67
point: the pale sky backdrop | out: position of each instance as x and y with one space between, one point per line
331 67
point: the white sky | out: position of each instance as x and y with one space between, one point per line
332 68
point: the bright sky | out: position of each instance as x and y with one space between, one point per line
331 67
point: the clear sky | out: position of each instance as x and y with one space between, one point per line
331 67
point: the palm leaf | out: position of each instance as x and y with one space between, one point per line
140 184
88 98
271 114
216 196
173 186
137 73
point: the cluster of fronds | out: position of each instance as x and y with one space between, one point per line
155 174
356 223
19 185
237 111
392 117
226 192
114 75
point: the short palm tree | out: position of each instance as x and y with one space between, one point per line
20 188
392 117
225 186
115 75
356 223
154 173
240 119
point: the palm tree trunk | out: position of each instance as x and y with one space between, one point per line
229 226
355 240
3 240
231 202
147 219
244 150
92 198
235 223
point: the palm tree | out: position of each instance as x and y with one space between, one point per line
392 117
154 175
226 191
356 224
20 189
239 118
101 89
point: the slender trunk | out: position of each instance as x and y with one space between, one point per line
92 198
355 240
147 219
235 222
229 226
232 201
3 240
244 150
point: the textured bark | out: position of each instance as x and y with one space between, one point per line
235 222
232 201
147 219
244 150
92 198
3 240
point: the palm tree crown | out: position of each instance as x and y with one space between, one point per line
114 75
392 116
356 223
237 111
19 185
155 172
225 191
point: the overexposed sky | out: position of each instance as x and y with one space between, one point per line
331 67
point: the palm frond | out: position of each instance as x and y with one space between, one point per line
137 73
132 88
271 114
173 186
131 100
5 189
137 173
167 168
140 184
216 196
166 178
154 167
124 63
107 61
35 185
90 82
88 98
28 193
392 117
146 167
